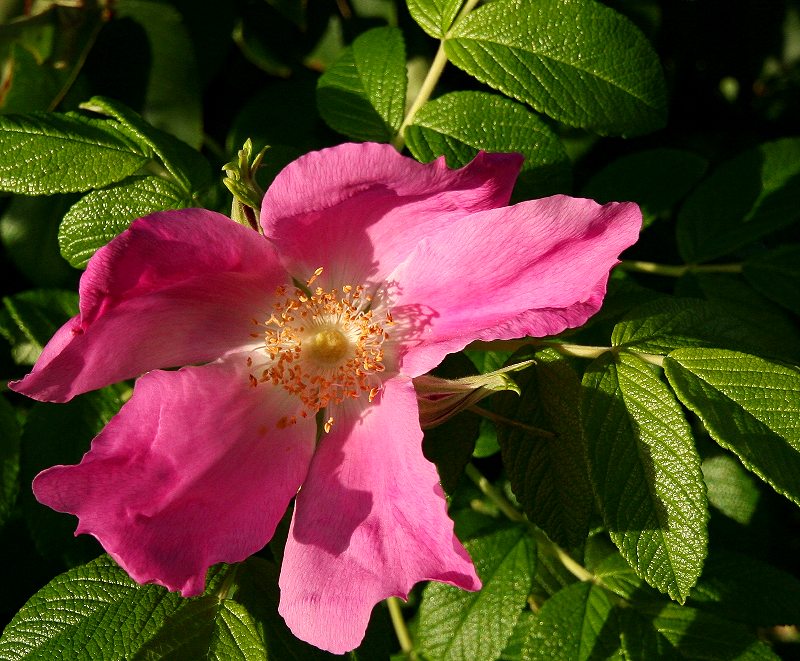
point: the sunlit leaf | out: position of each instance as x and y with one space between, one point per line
749 405
646 472
578 62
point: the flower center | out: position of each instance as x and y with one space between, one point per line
328 346
323 346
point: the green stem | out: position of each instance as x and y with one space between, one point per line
564 348
545 544
425 91
488 490
677 270
400 628
431 80
508 422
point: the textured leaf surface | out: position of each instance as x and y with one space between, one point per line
745 589
101 215
640 641
207 628
459 625
747 197
548 472
32 317
646 472
656 179
777 331
731 489
458 124
776 274
257 582
749 405
576 61
363 94
41 154
665 324
92 612
698 635
434 16
576 624
187 167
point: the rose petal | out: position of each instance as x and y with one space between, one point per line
191 472
369 522
532 269
178 287
358 210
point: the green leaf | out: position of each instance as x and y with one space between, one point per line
576 624
548 472
698 635
60 434
9 458
656 179
731 489
749 405
257 591
207 627
775 328
32 317
434 16
173 100
41 154
646 472
619 577
461 123
459 625
639 639
101 215
189 169
578 62
363 94
747 197
745 589
28 229
664 324
91 612
450 446
776 274
27 85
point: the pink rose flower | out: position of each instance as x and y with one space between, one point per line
405 262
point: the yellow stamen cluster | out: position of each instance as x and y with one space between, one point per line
323 346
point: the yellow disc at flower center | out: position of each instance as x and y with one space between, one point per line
328 346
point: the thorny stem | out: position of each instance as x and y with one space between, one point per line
677 270
400 628
546 545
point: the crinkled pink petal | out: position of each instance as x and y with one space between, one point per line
532 269
192 471
358 210
178 287
369 523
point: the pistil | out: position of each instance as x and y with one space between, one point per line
323 346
